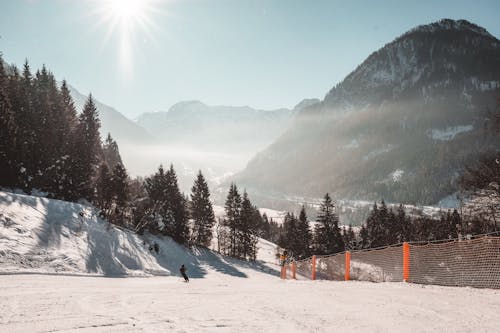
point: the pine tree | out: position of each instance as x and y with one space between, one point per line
327 233
384 225
111 153
202 212
104 190
8 134
304 234
69 109
156 189
349 238
26 119
168 207
290 231
119 188
177 204
247 240
44 152
56 135
266 228
89 149
404 224
365 238
376 225
456 224
233 218
352 238
393 231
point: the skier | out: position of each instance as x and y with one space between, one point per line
183 273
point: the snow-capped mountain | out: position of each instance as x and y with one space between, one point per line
218 128
401 126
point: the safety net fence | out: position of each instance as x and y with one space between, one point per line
473 262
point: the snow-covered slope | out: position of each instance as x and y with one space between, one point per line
43 235
226 304
49 236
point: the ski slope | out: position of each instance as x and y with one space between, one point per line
62 269
225 303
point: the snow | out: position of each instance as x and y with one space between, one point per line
40 235
222 303
397 175
449 133
219 211
278 216
53 263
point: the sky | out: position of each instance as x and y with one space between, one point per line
146 56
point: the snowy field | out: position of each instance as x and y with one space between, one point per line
223 303
62 269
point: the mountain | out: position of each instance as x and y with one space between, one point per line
401 126
122 129
218 128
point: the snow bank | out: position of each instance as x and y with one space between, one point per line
397 175
41 235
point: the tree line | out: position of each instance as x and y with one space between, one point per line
46 145
479 214
384 226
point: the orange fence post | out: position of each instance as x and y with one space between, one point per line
313 277
294 270
347 265
406 261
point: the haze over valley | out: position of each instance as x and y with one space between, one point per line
399 127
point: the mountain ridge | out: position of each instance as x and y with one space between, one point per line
196 124
416 108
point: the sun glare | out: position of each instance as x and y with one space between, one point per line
129 21
127 10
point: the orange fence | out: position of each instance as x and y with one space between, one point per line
474 263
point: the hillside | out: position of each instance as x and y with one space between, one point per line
42 241
401 126
39 235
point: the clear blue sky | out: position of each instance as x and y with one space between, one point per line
266 54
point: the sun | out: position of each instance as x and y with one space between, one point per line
127 21
127 11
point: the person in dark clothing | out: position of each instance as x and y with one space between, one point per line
183 273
